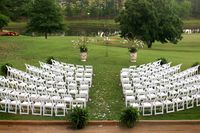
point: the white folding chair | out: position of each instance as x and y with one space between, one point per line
68 100
3 104
169 105
13 104
37 106
147 108
48 107
24 105
60 108
158 106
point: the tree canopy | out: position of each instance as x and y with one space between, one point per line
4 20
45 17
150 21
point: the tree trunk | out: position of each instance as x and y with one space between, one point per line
149 44
45 35
1 29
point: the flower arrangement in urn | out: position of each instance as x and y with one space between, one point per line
134 45
82 43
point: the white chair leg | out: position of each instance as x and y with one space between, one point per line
168 109
24 112
180 106
45 113
147 114
11 109
34 110
158 112
190 104
3 107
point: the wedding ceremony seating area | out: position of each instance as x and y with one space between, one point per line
48 90
157 89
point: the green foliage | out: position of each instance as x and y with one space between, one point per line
183 8
196 64
48 61
81 43
15 9
4 20
150 21
4 69
129 117
45 17
91 8
195 8
132 49
78 117
163 61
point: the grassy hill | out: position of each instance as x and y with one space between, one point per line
106 98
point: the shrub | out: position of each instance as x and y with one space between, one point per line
129 117
78 118
132 50
4 69
48 61
196 64
163 61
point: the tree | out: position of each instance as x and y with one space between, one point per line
183 8
195 8
4 20
45 17
150 21
15 9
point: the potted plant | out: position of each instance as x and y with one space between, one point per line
134 45
78 118
129 117
81 43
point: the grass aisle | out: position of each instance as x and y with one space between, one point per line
106 97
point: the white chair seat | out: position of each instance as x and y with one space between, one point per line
37 104
60 105
25 103
49 105
134 105
146 104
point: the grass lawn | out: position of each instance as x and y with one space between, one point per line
106 98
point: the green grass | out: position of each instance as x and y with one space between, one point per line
106 98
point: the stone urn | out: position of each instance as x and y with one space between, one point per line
133 56
83 56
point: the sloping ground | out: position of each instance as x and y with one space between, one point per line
106 99
141 127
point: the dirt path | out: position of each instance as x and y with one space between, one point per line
139 128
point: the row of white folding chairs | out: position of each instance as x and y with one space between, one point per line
140 82
43 95
26 77
164 73
60 69
38 107
46 75
35 80
154 94
149 65
143 68
179 103
72 87
79 73
128 88
79 77
80 68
